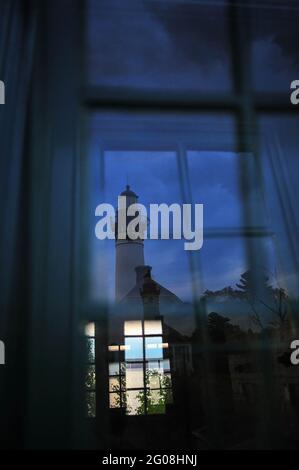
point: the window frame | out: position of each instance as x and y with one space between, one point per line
241 101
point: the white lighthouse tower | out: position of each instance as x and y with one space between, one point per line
129 254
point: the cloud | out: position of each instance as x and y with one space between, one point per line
136 44
273 68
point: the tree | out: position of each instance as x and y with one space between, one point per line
118 388
154 404
274 299
247 286
217 325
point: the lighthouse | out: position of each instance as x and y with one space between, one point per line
129 253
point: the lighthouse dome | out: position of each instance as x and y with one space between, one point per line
128 192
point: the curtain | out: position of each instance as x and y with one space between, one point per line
39 135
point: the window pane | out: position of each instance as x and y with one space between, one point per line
90 329
166 365
114 368
114 400
158 44
154 366
91 404
133 328
157 377
153 327
90 380
153 378
90 342
156 402
166 381
160 366
135 402
153 347
134 348
114 384
134 375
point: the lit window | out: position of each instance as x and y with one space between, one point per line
134 348
133 328
90 329
142 383
153 347
152 327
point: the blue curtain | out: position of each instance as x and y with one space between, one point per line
39 141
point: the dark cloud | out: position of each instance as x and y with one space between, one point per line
138 44
199 33
172 45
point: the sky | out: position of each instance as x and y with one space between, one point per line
151 44
182 44
154 176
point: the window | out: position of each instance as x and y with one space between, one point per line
116 378
160 77
149 124
141 383
90 378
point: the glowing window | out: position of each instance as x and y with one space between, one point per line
142 383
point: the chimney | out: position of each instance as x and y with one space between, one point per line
142 272
150 293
